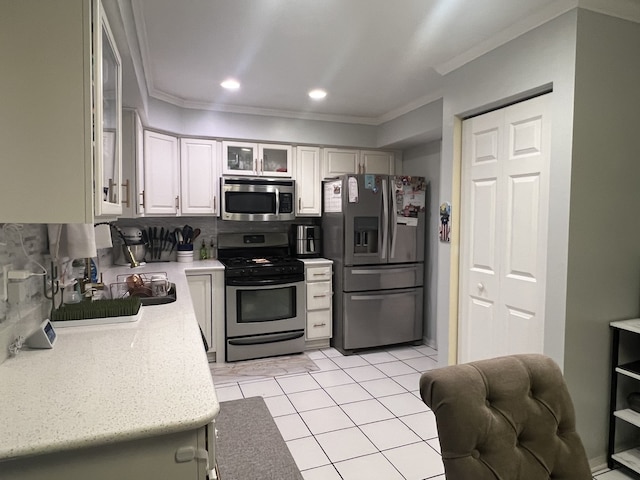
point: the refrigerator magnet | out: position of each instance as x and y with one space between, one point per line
445 218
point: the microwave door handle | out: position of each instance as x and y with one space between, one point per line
277 201
385 221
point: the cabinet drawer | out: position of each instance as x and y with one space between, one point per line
318 295
318 324
319 274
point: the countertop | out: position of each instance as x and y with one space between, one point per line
110 383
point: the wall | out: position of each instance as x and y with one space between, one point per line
184 121
422 125
424 160
20 319
604 230
542 57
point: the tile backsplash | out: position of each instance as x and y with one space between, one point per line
20 319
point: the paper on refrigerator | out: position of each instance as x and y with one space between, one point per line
333 196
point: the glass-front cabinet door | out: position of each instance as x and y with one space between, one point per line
107 118
255 159
239 158
275 160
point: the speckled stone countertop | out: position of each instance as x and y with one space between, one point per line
110 383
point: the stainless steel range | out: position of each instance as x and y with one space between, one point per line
264 296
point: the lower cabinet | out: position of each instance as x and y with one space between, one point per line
318 275
181 455
207 294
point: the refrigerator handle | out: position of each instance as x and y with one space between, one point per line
385 221
394 218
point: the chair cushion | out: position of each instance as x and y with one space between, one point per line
506 418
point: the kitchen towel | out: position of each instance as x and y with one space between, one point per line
72 240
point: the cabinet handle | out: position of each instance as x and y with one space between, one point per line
318 274
319 296
125 200
215 204
177 203
261 165
319 324
299 203
142 195
255 165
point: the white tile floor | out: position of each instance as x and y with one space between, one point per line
357 417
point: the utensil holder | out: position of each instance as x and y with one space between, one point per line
185 253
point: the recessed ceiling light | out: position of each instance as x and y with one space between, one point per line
230 84
317 94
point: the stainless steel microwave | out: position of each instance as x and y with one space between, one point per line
257 199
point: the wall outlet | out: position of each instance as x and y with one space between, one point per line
5 281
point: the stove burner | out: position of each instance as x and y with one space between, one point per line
262 266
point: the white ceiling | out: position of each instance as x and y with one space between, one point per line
376 58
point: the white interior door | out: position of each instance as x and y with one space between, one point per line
504 225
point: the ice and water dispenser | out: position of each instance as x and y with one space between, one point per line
365 235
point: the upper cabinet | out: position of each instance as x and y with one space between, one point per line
161 194
132 164
64 153
308 182
255 159
199 177
377 162
108 125
180 176
343 161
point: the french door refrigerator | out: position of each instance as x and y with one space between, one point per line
374 231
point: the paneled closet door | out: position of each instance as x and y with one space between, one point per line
504 225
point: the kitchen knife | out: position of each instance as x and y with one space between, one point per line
167 240
145 238
174 240
178 234
160 243
155 240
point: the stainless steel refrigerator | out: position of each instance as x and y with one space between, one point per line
374 230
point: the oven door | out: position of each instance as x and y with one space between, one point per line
266 306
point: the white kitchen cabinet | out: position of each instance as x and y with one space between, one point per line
339 161
377 162
61 86
162 456
180 177
343 161
256 159
200 287
199 177
308 182
161 194
318 278
132 164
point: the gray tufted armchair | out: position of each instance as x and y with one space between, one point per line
506 418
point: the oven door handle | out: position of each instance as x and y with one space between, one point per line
263 282
270 338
